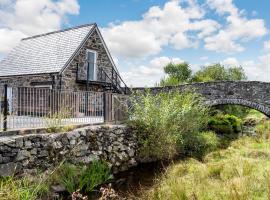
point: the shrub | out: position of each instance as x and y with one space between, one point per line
225 124
236 110
94 175
199 144
161 120
75 177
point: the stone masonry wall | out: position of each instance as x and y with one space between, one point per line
26 80
253 94
103 61
21 153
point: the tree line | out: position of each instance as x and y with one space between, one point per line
182 73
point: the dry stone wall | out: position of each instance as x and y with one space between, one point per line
115 144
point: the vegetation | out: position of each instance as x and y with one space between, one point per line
25 188
263 129
73 178
182 73
177 73
82 178
237 110
161 122
54 121
219 72
199 144
239 172
225 124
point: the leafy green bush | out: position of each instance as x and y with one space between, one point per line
199 144
225 124
161 120
82 178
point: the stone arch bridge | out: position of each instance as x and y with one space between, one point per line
252 94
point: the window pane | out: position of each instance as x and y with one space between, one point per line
91 60
91 57
91 71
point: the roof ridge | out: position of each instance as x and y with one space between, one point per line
62 30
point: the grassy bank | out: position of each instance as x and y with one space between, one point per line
241 171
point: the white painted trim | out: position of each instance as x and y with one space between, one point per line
95 62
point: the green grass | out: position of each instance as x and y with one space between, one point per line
73 178
240 172
255 114
25 188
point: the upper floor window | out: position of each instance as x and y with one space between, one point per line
91 57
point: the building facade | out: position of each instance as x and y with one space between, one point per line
69 59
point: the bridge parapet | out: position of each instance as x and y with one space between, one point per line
253 94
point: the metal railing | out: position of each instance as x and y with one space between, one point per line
30 107
111 81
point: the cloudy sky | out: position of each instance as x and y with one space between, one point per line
145 35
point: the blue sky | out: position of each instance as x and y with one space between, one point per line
144 35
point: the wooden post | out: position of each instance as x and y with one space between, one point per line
5 108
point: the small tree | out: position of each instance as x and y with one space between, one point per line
177 73
218 72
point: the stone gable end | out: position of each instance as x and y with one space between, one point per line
103 61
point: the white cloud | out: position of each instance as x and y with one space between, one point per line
266 45
148 74
231 61
223 6
183 24
204 58
238 28
159 27
255 70
21 18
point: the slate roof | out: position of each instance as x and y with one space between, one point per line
46 53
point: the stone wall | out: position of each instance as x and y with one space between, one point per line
21 153
253 94
103 61
28 80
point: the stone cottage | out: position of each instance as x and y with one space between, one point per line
75 59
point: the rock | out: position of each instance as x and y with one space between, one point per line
42 153
33 152
57 145
8 169
110 149
131 152
5 159
72 142
58 188
28 144
19 142
23 154
65 141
